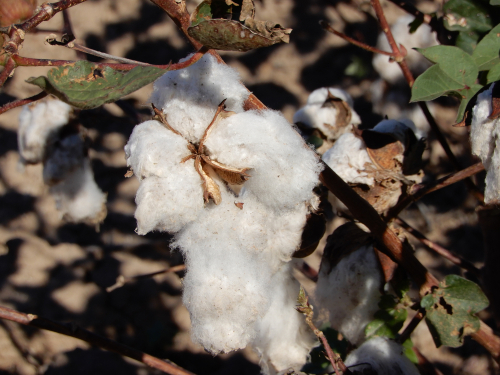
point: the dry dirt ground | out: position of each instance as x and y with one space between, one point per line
61 271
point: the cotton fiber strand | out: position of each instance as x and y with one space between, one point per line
485 141
38 126
348 158
349 293
283 338
315 115
383 356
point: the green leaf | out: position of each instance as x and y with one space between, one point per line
494 74
495 2
408 351
466 96
84 85
388 320
465 15
455 72
467 41
486 53
451 308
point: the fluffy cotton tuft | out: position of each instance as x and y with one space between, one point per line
315 115
38 127
78 197
349 158
382 356
283 338
485 141
348 294
233 250
189 97
423 37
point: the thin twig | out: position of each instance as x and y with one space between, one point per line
424 364
419 190
122 280
21 102
364 46
82 334
405 335
454 258
7 71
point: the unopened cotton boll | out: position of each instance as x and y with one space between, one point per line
283 338
423 37
38 126
283 170
382 356
348 158
485 142
317 114
78 197
189 97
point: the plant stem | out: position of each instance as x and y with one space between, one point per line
405 335
122 280
454 258
419 190
82 334
20 102
364 46
7 71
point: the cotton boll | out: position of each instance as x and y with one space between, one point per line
283 170
283 338
398 128
349 282
38 125
382 356
78 197
325 118
348 158
189 97
66 155
423 37
484 135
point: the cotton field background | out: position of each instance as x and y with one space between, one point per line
68 272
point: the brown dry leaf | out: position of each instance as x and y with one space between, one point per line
129 173
344 113
247 10
311 235
239 205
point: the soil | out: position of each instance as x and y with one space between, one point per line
61 271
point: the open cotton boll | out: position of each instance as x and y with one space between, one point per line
38 125
382 356
315 114
78 197
485 142
170 194
283 338
189 97
423 37
398 128
348 158
283 170
66 155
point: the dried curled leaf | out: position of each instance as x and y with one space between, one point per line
213 25
343 110
210 188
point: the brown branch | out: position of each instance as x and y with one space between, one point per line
7 71
364 46
447 254
21 102
405 335
122 280
82 334
419 190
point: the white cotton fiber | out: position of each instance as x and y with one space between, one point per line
283 169
423 37
314 115
66 155
38 125
485 141
283 338
348 158
382 356
189 97
349 293
78 197
398 128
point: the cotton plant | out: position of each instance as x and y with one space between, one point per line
378 163
484 137
327 115
47 135
234 188
380 355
